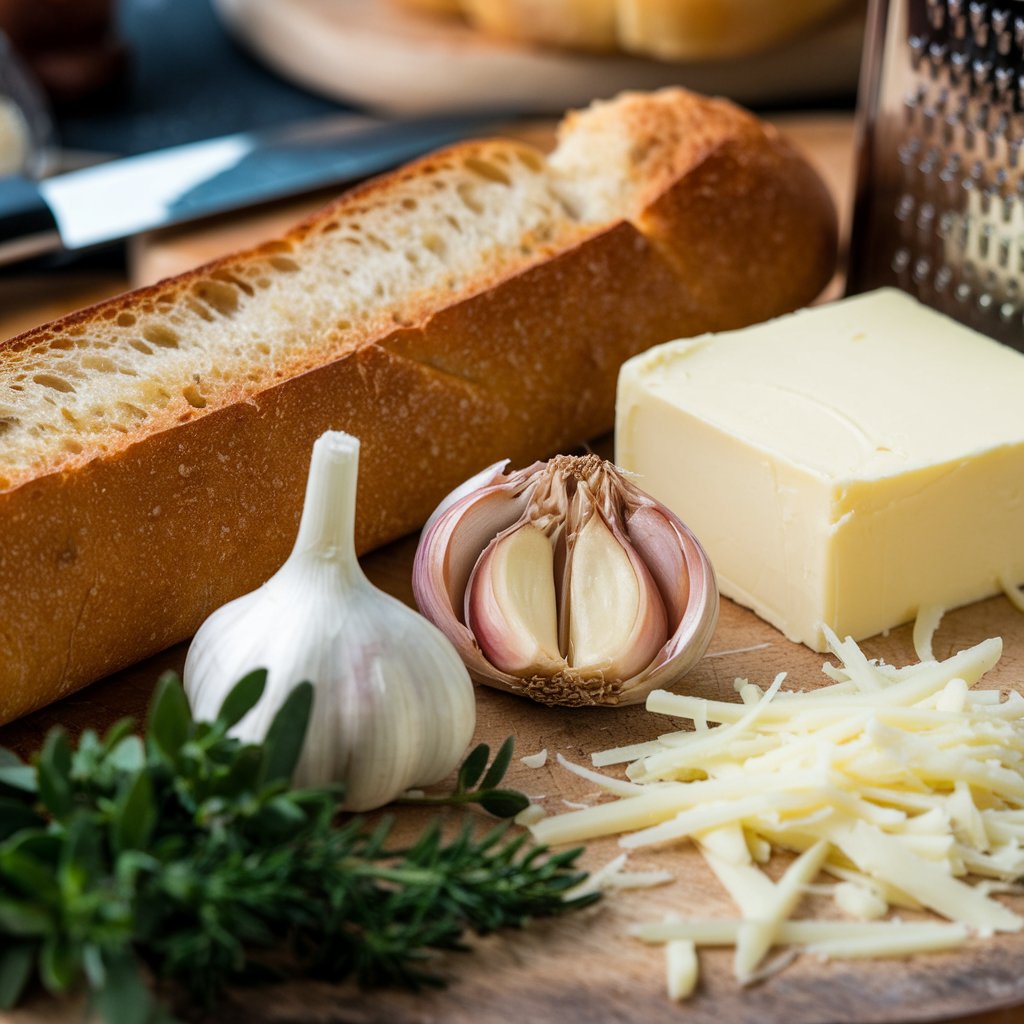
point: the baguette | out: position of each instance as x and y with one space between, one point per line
471 306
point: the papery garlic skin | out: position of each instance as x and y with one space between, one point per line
637 600
393 704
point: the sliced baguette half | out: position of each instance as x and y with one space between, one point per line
471 306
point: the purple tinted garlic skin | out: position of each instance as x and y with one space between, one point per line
566 583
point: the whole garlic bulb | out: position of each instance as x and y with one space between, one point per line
565 582
393 705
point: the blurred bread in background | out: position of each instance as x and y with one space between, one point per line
665 29
434 6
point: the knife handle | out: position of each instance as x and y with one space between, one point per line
27 225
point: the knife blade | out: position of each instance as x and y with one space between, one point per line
115 200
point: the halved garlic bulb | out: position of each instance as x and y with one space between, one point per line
565 582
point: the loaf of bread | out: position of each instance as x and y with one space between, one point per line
472 306
666 29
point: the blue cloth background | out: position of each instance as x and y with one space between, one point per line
188 81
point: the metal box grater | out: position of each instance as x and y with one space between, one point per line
940 179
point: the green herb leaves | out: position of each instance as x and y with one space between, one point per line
477 784
186 855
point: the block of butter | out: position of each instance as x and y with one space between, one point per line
845 465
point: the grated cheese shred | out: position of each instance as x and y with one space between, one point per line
905 784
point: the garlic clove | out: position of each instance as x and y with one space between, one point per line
696 626
510 603
658 543
617 621
494 512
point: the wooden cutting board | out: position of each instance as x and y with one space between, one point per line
584 968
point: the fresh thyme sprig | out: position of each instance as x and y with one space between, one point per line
478 784
187 855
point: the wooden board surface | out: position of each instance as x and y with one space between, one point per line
585 968
377 54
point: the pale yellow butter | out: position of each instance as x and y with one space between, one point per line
844 465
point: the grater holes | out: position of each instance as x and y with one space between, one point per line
985 241
982 117
951 169
958 62
957 194
907 153
1003 253
1001 26
918 45
905 207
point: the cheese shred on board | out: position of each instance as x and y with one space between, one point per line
904 784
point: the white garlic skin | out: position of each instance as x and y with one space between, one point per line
393 705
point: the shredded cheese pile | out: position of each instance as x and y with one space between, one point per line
905 784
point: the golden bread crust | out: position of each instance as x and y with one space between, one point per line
121 552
